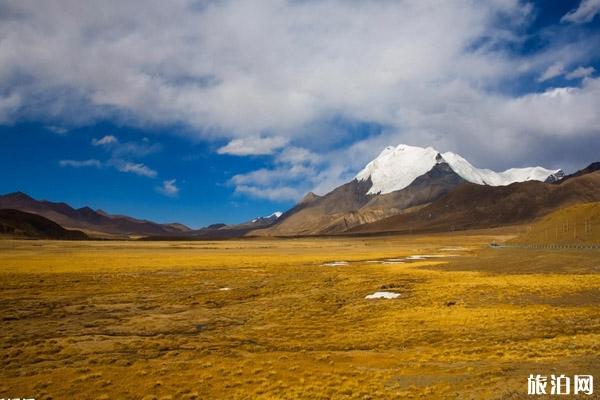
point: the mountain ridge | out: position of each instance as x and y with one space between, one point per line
19 224
401 179
96 223
395 168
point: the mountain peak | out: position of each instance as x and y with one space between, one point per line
276 214
397 167
18 195
308 197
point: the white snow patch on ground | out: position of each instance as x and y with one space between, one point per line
335 264
382 295
426 256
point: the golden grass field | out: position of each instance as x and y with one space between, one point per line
578 224
148 320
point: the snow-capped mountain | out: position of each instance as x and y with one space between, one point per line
271 217
397 167
405 179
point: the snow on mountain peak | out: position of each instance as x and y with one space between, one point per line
397 167
276 214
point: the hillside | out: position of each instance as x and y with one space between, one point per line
350 205
401 180
95 222
15 223
476 206
578 224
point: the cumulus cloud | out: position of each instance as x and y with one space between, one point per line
80 163
121 157
9 104
253 146
169 188
104 141
269 76
282 193
552 71
580 72
235 69
296 171
136 168
585 12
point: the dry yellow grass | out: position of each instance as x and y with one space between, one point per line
138 320
574 225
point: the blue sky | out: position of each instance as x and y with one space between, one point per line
219 111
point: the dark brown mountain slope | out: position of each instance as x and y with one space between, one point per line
21 224
475 206
87 219
593 167
349 205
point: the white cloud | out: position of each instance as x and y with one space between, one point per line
169 188
586 12
298 155
9 104
80 163
136 168
296 171
233 69
59 130
580 72
284 193
552 71
105 141
253 146
261 75
122 154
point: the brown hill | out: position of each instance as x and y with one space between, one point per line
573 225
475 206
349 205
593 167
17 223
86 219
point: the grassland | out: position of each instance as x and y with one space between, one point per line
575 225
140 320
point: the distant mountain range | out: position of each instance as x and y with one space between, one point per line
19 224
98 223
94 222
404 189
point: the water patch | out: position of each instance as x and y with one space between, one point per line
426 256
453 249
335 264
223 289
382 295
